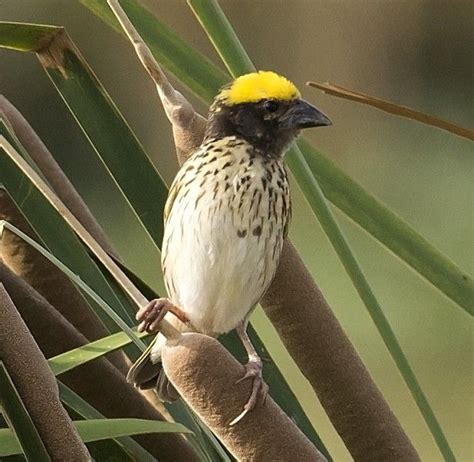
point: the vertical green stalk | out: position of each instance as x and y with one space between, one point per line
237 61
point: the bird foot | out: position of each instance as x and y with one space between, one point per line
152 314
253 370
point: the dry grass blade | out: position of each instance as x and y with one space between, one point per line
135 295
392 108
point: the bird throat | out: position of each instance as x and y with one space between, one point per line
243 122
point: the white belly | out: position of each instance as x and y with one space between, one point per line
217 259
217 281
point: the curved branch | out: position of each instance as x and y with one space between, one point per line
36 385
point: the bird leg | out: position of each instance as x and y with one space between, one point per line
152 314
253 370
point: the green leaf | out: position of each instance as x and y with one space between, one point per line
232 52
456 284
54 233
314 195
222 35
203 440
81 407
99 429
78 281
107 131
390 229
93 350
27 439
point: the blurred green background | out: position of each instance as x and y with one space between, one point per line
417 53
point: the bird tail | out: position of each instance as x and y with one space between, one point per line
147 372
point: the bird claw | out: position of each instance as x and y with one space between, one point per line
253 370
152 314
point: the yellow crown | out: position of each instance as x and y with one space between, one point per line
259 85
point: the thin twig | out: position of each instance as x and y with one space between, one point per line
392 108
134 294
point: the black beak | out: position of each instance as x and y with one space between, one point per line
303 115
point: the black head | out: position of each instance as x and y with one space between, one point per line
263 108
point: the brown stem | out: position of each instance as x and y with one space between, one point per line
36 385
324 354
52 171
188 125
98 382
195 365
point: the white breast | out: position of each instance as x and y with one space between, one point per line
221 246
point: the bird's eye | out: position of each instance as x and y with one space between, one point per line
270 105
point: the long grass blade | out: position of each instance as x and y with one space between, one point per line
231 51
25 437
102 123
26 37
315 197
78 281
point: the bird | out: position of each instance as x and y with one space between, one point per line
225 221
